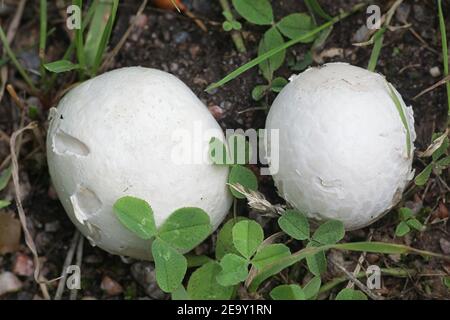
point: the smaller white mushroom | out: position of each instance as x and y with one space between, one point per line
345 144
114 135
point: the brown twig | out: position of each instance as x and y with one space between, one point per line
358 283
67 262
434 86
78 262
23 220
10 34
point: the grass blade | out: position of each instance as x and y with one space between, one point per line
79 38
378 44
276 50
444 48
314 6
105 37
376 247
42 33
14 60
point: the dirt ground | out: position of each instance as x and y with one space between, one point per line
173 42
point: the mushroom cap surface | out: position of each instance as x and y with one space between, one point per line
119 134
343 147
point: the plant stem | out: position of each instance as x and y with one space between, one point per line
395 272
14 60
444 49
235 34
42 33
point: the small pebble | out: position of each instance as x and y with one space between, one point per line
445 245
9 283
23 265
52 226
435 72
110 286
181 37
144 274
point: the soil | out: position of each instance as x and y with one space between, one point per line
172 42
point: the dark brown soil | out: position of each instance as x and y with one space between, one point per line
174 43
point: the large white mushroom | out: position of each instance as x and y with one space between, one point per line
345 145
116 135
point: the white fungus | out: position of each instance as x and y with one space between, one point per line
113 136
344 149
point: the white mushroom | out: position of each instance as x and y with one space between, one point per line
113 136
345 152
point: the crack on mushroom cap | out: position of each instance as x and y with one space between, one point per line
85 205
65 144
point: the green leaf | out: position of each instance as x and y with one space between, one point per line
218 152
415 224
234 270
402 229
101 48
236 25
288 292
317 263
329 232
255 11
401 113
312 288
170 266
350 294
270 254
422 178
4 203
224 242
196 261
61 66
5 176
441 150
185 228
305 63
296 25
137 215
203 284
98 23
294 224
247 236
243 176
444 162
180 294
446 281
259 91
278 84
314 6
405 213
271 39
227 26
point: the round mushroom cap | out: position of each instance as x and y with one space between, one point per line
345 148
133 132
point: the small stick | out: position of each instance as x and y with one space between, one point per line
358 283
361 259
434 86
67 262
78 261
23 220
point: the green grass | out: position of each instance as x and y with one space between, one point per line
234 74
444 49
14 60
